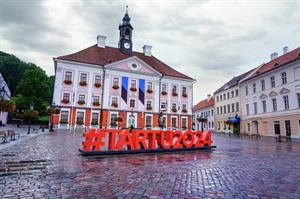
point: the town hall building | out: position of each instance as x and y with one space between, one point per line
108 87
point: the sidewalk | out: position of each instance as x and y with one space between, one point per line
23 130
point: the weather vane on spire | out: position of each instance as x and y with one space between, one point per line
126 9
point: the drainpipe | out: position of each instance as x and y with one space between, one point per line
192 102
159 89
101 111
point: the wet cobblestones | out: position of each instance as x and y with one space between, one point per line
50 166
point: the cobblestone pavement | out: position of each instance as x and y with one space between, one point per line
50 166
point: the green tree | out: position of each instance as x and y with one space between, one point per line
35 88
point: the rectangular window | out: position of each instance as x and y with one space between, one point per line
272 78
83 77
132 103
263 85
217 98
218 112
224 96
236 92
286 102
96 99
174 89
68 75
132 84
247 109
254 87
148 121
237 107
183 90
164 88
232 94
174 122
224 108
274 103
264 105
221 110
113 118
212 124
66 96
246 90
148 104
114 100
163 105
81 97
283 78
183 106
228 108
183 123
212 112
255 107
248 127
79 118
116 81
149 86
95 117
220 97
64 116
228 95
173 106
97 79
298 99
232 107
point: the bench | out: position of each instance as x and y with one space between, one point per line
12 134
3 136
280 137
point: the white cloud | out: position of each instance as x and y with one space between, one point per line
211 41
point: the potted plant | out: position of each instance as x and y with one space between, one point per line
113 124
174 94
184 127
114 104
174 110
7 106
96 104
79 122
164 93
83 83
184 95
94 123
97 85
68 81
148 126
133 89
65 101
149 91
115 87
148 108
184 110
63 122
81 102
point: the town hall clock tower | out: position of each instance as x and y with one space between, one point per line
125 41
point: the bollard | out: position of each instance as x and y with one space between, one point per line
43 128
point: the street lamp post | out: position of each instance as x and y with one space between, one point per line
51 117
31 108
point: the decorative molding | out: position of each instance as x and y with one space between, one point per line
272 94
284 91
263 96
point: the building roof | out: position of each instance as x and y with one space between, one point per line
102 56
234 81
277 62
204 104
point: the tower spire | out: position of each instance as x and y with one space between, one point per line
125 40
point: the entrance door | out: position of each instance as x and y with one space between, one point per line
255 127
288 127
131 121
277 128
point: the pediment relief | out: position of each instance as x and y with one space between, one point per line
284 90
263 96
272 94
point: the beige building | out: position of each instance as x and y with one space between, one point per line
271 96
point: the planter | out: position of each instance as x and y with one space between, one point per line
174 110
184 111
149 108
68 82
149 91
97 85
133 89
94 123
114 105
184 95
201 119
79 122
7 106
81 102
174 94
164 93
96 104
113 124
83 83
65 101
115 87
63 122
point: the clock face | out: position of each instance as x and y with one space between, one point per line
126 45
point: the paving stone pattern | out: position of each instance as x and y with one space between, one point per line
50 166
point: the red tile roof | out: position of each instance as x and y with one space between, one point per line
103 56
204 103
278 62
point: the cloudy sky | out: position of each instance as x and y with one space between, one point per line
211 41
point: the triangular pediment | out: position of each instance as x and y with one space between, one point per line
133 65
263 96
284 91
273 93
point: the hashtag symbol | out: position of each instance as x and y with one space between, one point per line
93 140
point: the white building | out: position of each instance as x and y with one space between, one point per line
271 96
4 94
204 109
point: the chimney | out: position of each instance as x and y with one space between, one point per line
147 50
101 41
285 49
274 55
208 97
